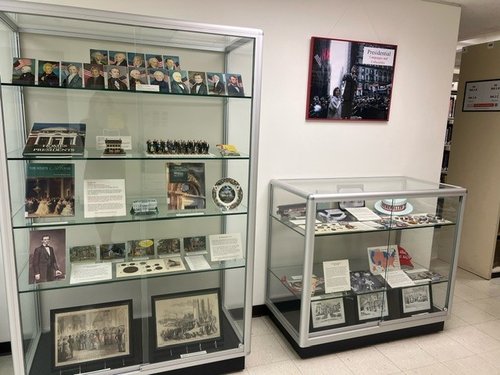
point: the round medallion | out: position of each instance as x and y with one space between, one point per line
130 269
227 193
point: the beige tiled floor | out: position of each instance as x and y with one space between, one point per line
469 344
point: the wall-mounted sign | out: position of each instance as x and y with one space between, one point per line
482 96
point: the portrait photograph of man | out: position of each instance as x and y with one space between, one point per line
47 255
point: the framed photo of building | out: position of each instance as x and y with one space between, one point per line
327 312
416 299
91 333
186 318
350 80
372 305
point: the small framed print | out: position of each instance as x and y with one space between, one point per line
168 246
372 305
416 299
23 71
327 313
48 73
87 253
186 318
112 251
91 333
227 193
141 248
195 245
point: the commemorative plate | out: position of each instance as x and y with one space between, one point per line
227 193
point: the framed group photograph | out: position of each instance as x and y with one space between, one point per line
350 80
416 299
186 318
327 313
372 305
91 333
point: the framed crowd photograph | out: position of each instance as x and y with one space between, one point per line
186 318
91 333
372 305
416 299
327 313
350 80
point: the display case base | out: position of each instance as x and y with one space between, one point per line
357 342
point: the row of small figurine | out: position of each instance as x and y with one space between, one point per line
177 147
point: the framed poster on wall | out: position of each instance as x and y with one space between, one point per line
350 80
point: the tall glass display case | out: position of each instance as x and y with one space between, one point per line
355 261
128 161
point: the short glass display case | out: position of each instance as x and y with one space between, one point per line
128 168
352 261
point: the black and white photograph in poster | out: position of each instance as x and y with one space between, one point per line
47 255
416 299
372 305
327 312
350 80
91 333
186 318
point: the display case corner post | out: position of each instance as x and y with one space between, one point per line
7 244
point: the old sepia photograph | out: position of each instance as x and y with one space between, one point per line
47 261
141 248
86 253
195 245
327 312
168 246
416 298
372 305
186 318
112 251
91 333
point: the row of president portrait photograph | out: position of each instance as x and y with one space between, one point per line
68 74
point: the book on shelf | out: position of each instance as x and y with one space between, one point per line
50 190
186 186
55 139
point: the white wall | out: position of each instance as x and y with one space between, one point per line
410 143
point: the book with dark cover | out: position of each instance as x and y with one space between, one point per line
50 190
186 186
55 139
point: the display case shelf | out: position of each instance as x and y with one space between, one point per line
24 287
126 92
21 222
